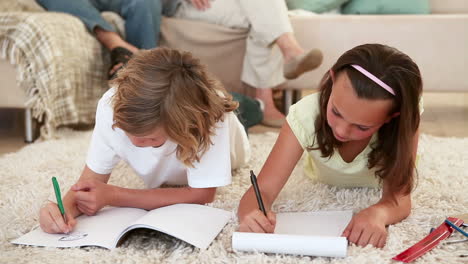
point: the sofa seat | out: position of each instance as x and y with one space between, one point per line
438 43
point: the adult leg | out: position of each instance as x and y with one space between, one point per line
85 10
296 61
263 61
274 27
138 16
231 14
266 65
262 69
89 12
226 13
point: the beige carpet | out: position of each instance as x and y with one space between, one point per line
25 184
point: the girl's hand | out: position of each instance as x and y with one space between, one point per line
51 220
257 222
367 227
92 195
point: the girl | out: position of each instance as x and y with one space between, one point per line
172 124
361 129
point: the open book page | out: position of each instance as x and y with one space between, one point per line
195 224
305 233
100 230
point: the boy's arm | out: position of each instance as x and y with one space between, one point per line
50 218
92 192
69 200
154 198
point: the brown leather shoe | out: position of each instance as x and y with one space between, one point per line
303 63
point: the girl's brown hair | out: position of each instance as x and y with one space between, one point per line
170 89
392 153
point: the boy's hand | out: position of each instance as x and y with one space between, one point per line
257 222
91 195
367 227
51 220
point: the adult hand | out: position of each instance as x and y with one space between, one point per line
91 195
51 220
201 4
257 222
367 227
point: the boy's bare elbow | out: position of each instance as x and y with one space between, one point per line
206 196
209 199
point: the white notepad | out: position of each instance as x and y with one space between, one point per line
195 224
304 233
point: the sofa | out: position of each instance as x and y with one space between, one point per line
437 42
59 82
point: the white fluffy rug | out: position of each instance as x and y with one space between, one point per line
25 184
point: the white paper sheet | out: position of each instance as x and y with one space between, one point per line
305 233
290 244
196 224
101 230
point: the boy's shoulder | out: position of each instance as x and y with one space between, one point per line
107 96
104 111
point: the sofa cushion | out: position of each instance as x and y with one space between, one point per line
20 6
449 6
386 7
316 6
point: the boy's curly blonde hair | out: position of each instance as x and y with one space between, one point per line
170 89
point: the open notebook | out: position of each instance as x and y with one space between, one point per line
195 224
304 233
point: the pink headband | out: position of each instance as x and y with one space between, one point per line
373 78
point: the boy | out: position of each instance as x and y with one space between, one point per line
172 123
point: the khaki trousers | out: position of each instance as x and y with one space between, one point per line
266 21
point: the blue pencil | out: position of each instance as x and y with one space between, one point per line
456 227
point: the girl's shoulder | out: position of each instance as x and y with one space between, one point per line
310 101
301 119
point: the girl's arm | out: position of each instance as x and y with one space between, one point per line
402 208
369 225
399 208
275 172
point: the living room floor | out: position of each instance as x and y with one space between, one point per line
445 115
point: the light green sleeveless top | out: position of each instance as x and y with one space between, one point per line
333 170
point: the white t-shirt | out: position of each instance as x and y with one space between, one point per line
157 166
